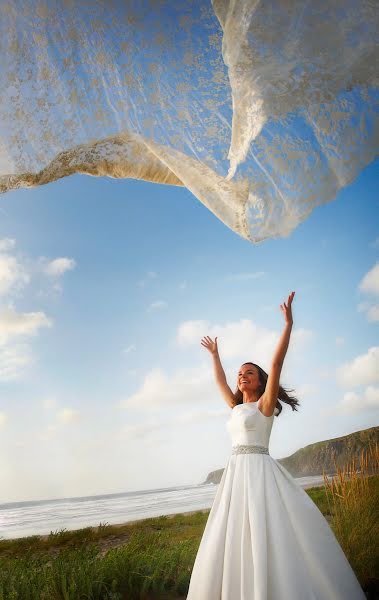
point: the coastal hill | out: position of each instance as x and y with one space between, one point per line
312 459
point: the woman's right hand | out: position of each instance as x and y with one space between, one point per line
209 344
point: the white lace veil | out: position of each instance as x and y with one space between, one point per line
262 109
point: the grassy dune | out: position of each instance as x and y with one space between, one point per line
153 558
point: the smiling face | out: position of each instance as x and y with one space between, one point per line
248 378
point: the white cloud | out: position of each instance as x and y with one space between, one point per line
64 417
354 403
371 310
363 370
13 276
245 276
7 244
340 341
370 282
195 416
14 324
239 340
130 348
158 305
160 390
15 356
68 415
3 418
58 266
363 306
370 285
13 361
191 332
299 338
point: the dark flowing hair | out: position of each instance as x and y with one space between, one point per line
284 394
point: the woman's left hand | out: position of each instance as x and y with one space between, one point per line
286 308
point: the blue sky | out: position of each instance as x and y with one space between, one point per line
106 287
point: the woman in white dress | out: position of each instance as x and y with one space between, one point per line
265 539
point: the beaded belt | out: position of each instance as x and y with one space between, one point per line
241 449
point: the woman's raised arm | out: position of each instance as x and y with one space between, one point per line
219 372
270 395
282 346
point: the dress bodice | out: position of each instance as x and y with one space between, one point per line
248 425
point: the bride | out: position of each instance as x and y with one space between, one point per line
265 539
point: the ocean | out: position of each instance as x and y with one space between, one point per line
40 517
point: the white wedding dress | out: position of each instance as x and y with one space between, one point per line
265 539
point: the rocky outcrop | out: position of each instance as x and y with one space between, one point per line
214 476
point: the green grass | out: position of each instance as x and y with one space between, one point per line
151 558
154 560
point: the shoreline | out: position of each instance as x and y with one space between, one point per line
182 514
133 522
122 525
